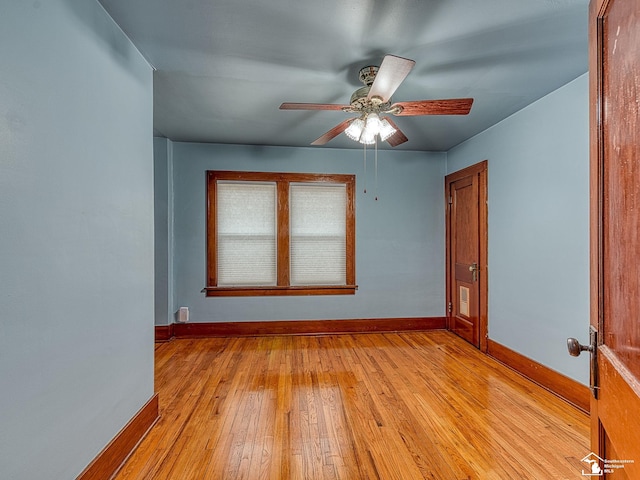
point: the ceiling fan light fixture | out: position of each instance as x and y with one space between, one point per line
365 129
372 125
371 129
368 137
355 128
386 130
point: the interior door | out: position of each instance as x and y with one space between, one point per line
466 253
615 233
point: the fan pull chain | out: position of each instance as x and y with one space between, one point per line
375 175
365 168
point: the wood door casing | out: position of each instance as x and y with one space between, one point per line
615 225
465 291
466 225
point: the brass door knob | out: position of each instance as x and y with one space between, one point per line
473 268
576 348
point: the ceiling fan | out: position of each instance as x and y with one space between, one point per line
373 102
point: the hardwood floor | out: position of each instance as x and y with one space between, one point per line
368 406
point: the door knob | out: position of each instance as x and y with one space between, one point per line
473 268
575 347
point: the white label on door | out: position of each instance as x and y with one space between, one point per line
464 301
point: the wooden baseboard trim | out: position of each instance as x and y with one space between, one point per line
564 387
163 333
112 457
306 327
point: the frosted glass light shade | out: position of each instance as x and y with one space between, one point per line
386 130
368 137
371 129
373 123
354 130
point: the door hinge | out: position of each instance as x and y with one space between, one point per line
450 200
450 307
594 381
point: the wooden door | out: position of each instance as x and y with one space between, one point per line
466 197
615 233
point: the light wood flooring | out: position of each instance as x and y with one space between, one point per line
368 406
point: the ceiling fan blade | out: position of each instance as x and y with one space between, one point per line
334 132
454 106
391 73
398 137
311 106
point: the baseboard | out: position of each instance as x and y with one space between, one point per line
564 387
303 327
163 333
112 457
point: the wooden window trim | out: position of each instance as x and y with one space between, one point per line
283 287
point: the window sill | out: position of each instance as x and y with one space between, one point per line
280 291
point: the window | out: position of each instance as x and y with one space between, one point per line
280 234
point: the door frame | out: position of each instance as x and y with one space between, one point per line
617 391
481 170
596 187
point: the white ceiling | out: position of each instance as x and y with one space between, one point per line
223 67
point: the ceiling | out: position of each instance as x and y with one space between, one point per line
223 67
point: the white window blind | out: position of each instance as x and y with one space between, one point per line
317 234
246 231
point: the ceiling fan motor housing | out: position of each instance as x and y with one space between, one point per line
368 74
361 103
359 100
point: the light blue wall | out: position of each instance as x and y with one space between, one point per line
538 226
76 236
163 238
399 238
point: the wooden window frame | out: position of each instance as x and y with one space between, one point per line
283 286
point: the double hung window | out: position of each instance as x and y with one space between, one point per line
280 234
